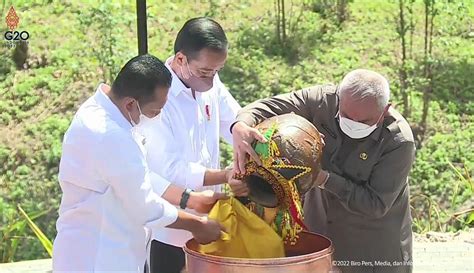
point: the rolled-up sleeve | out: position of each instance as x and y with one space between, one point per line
120 162
158 183
167 159
375 198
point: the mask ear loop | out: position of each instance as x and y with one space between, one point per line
189 70
131 119
130 115
189 74
139 110
338 101
383 113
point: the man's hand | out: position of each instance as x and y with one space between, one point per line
243 136
207 231
238 187
229 173
203 201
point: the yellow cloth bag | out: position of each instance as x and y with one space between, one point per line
246 236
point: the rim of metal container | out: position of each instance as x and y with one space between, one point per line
265 261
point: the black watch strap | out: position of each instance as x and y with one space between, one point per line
184 198
232 127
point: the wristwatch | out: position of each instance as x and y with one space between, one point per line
184 198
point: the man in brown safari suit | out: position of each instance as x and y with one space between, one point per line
362 198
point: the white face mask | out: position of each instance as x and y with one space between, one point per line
144 120
354 129
196 83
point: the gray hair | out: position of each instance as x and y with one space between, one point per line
362 83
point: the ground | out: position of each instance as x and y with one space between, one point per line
444 252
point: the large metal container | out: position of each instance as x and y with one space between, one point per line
312 253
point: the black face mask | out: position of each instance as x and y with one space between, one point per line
197 84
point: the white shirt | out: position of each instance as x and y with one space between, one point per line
186 141
108 202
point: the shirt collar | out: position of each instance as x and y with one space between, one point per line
376 133
105 102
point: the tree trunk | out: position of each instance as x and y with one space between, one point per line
428 73
283 21
412 26
278 32
402 72
341 11
20 54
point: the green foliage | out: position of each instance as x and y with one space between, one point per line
13 233
102 27
442 174
336 10
226 154
6 64
75 45
429 214
48 246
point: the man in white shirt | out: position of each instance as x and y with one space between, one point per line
184 146
110 197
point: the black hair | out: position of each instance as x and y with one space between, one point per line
140 76
199 33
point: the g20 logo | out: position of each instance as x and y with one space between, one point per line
17 35
12 21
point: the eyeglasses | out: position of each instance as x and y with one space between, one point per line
202 73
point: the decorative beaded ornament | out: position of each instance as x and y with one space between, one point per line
290 159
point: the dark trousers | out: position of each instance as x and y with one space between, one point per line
166 258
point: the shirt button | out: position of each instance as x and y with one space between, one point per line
329 222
